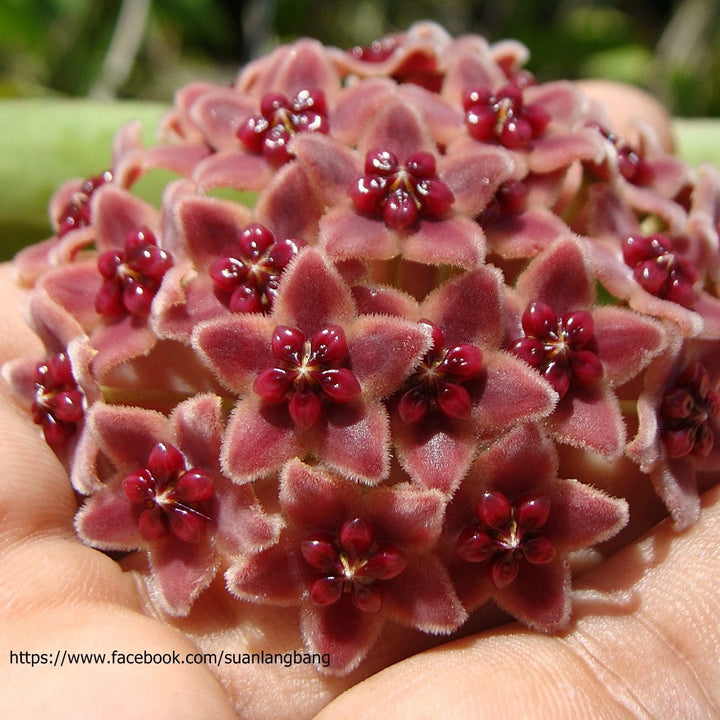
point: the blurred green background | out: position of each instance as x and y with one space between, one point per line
66 64
147 48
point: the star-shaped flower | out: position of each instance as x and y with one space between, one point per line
160 489
679 424
352 558
466 390
583 349
512 524
310 376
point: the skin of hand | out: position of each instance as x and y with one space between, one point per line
644 641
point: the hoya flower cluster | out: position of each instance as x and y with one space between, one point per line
346 358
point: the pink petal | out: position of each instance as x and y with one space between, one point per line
125 434
314 499
435 452
341 631
330 167
235 348
626 342
559 277
526 234
539 596
406 516
590 418
397 128
271 577
456 241
512 393
480 290
289 204
209 227
582 516
346 234
180 572
474 172
355 441
329 302
384 351
107 521
116 214
234 169
422 597
259 439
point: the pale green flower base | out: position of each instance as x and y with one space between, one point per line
45 142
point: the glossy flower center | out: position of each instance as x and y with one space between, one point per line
438 383
280 118
76 213
58 404
503 116
688 411
506 535
630 163
309 373
509 199
248 281
131 276
170 498
563 349
659 269
401 194
353 563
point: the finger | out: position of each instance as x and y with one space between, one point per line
644 645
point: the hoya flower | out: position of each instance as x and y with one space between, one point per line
679 424
352 559
310 376
581 348
466 390
512 524
162 491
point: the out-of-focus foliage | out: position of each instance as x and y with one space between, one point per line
147 48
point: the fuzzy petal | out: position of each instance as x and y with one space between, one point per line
384 351
259 439
180 572
590 418
342 631
270 577
627 342
422 597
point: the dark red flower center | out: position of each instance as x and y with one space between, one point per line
631 164
503 116
506 535
509 199
353 563
438 383
131 276
688 411
401 194
170 498
378 50
309 372
76 213
270 132
659 268
563 349
58 404
249 280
